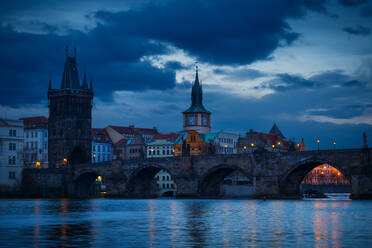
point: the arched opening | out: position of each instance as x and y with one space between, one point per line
315 180
226 181
151 182
78 156
88 184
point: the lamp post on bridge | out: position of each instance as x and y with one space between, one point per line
318 142
334 145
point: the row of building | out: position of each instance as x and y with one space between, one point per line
66 137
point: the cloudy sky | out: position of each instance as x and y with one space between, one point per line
306 65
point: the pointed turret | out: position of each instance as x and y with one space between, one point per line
275 130
50 84
302 145
196 97
91 85
85 82
70 77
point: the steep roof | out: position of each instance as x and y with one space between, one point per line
134 130
100 135
169 136
35 122
70 76
275 130
196 97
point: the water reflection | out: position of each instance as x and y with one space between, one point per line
184 223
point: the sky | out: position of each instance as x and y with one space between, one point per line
305 65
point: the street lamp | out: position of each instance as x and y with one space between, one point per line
334 145
64 161
318 141
37 164
94 157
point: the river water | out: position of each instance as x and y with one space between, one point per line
331 222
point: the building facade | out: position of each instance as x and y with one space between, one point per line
196 117
192 143
101 146
162 145
35 142
11 154
226 143
273 141
165 184
70 118
325 174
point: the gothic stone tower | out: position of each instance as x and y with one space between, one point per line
70 118
196 117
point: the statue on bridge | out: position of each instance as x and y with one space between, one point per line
365 145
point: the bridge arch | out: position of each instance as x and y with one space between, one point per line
210 182
87 184
141 182
289 185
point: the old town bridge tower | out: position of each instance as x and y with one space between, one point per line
196 117
70 118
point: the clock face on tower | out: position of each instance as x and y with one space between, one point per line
191 121
205 122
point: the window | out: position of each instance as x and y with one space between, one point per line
163 152
27 134
12 175
12 146
157 152
35 134
149 152
12 159
12 132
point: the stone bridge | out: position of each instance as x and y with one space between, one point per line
275 175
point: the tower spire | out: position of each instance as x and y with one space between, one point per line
50 83
91 85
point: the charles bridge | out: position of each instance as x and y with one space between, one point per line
274 175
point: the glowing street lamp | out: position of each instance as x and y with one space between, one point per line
37 164
334 145
64 161
318 141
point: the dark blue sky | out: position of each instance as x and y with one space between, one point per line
306 65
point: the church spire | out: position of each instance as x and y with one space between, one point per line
91 85
85 82
70 77
196 96
50 83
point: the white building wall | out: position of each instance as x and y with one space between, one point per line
36 147
160 149
226 143
11 154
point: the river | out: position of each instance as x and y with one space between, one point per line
331 222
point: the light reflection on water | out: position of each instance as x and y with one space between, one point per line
191 223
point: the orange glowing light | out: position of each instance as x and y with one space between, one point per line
225 145
244 147
252 144
272 146
279 143
94 155
339 174
322 172
37 164
64 160
324 167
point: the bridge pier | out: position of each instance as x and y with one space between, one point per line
361 187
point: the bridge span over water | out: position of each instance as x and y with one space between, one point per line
276 175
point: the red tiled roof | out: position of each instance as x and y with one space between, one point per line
35 122
135 130
100 135
171 136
